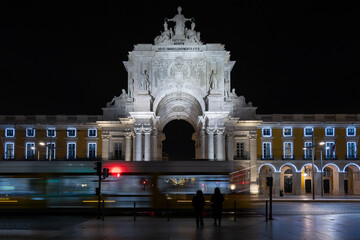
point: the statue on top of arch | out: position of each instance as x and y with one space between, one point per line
182 35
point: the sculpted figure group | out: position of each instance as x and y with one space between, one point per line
181 31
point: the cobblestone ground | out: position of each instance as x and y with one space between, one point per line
292 220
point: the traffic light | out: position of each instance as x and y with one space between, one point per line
97 168
269 181
105 173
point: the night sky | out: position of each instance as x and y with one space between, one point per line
65 57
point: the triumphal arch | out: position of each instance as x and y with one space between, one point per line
179 77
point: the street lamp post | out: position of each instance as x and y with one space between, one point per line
313 145
312 165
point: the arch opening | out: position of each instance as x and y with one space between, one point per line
178 145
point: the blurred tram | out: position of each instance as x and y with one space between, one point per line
72 185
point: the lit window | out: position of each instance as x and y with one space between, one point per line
30 132
30 150
10 132
51 132
351 150
91 150
330 150
350 131
266 132
92 132
71 132
71 150
288 150
50 151
266 150
307 150
287 132
308 131
9 150
329 131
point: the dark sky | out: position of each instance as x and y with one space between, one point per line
65 57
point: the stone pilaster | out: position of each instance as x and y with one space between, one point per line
220 156
210 134
138 143
128 146
147 147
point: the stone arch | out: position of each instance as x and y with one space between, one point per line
288 180
333 166
309 164
352 165
174 105
265 170
292 166
267 164
351 178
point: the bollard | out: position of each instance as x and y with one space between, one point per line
266 211
134 211
234 210
168 210
103 207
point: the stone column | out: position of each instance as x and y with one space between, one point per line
297 183
105 147
254 188
147 132
276 183
154 151
210 134
220 144
138 144
128 136
230 146
203 144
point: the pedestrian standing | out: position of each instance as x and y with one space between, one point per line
198 203
217 200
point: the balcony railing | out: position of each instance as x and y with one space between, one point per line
352 157
288 157
267 157
331 157
241 157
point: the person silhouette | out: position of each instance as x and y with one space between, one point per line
217 200
198 203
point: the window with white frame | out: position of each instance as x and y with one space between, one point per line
266 150
350 131
9 151
71 150
50 151
91 153
287 132
351 150
288 150
329 131
10 132
329 150
266 132
92 132
30 132
308 131
30 150
307 150
51 132
71 132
